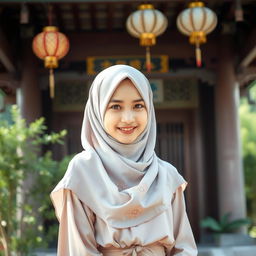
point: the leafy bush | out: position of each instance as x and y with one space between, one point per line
50 173
26 178
248 133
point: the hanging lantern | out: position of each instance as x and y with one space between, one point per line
197 21
50 46
146 23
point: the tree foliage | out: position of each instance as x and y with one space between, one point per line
248 133
26 177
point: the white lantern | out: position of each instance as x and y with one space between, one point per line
146 23
196 22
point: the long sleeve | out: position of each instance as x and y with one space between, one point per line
76 230
184 239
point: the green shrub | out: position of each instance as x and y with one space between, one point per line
26 178
248 134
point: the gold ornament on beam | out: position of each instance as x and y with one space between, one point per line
146 24
196 22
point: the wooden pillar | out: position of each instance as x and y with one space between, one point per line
28 94
231 195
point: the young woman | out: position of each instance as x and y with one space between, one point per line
117 197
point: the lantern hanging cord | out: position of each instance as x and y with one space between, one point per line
50 14
148 59
51 82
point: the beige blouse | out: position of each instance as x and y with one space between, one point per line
82 233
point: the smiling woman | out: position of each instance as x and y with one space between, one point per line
126 114
117 190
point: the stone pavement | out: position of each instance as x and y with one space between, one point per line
248 250
203 251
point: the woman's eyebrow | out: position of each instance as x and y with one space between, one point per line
116 101
138 100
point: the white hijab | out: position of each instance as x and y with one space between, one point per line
124 184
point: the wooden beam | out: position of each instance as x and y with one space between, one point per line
127 10
249 51
8 80
86 1
248 58
76 17
246 76
93 17
109 16
5 54
209 2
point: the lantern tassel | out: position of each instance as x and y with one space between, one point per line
51 82
198 56
148 59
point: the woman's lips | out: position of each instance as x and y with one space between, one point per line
127 130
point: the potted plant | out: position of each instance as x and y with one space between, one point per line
225 231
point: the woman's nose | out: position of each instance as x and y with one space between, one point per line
127 116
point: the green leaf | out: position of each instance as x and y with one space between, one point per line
224 221
211 223
234 225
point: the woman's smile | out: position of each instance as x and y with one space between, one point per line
127 130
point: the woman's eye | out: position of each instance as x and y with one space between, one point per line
139 106
116 107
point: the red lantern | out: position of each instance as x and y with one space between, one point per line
50 46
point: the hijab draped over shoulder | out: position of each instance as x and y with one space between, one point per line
117 180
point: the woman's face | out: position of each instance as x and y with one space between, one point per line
126 114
